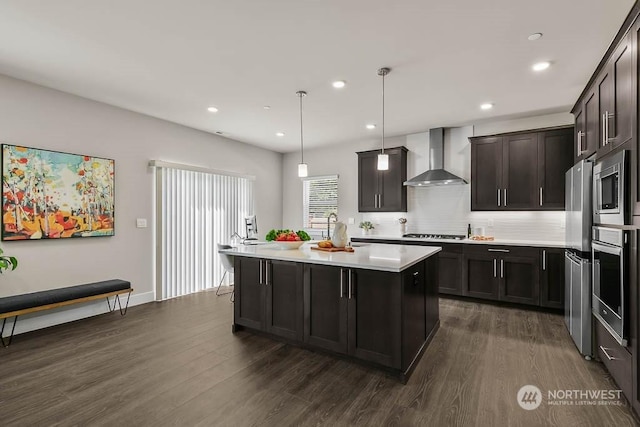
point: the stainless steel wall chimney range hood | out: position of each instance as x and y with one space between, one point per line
436 175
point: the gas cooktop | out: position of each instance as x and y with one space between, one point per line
435 236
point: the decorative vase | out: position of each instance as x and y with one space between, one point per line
339 238
365 231
403 229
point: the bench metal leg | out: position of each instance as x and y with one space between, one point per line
117 298
7 343
220 284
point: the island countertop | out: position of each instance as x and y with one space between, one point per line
369 256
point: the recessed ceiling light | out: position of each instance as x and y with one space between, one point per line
371 126
212 109
541 66
486 106
339 84
279 133
267 107
218 133
534 36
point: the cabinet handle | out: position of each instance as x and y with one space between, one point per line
580 135
540 196
604 350
505 197
604 133
341 282
266 272
544 259
495 268
498 197
608 117
261 275
498 250
502 269
350 284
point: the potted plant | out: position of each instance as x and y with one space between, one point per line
7 262
366 227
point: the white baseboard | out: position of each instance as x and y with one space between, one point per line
57 316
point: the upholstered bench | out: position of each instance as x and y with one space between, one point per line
17 305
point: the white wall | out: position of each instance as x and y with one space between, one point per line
430 209
35 116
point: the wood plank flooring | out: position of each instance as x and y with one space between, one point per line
176 363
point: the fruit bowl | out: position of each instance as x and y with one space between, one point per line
288 245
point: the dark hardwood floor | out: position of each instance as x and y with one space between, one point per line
177 363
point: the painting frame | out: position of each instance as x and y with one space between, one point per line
54 195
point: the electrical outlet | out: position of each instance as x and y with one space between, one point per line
141 222
351 221
490 222
562 223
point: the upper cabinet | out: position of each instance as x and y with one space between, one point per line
382 191
520 170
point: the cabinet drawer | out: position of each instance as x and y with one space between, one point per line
616 359
499 251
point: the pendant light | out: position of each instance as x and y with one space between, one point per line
302 166
383 159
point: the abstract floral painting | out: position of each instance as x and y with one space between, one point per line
52 195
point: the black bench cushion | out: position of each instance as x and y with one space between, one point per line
36 299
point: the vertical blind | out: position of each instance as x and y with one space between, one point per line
197 210
320 198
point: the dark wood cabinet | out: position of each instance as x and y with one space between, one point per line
486 173
502 273
450 269
374 331
615 89
587 136
552 280
521 170
555 157
519 279
269 296
325 307
481 275
382 191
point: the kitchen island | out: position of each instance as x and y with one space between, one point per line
377 305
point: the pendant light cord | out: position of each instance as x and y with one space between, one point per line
383 112
300 94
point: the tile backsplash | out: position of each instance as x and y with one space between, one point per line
447 210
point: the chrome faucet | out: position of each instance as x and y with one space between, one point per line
332 214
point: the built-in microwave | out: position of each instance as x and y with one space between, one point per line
610 303
610 190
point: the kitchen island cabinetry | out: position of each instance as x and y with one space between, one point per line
520 170
382 191
378 305
268 296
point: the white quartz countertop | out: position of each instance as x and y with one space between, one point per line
369 256
498 242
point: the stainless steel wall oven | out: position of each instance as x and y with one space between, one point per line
610 249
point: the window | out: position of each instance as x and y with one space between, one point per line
320 198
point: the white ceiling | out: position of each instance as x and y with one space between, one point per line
173 58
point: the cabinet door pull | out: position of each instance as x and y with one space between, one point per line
261 275
540 196
341 282
502 269
544 259
495 268
608 117
266 272
350 284
580 135
498 197
498 250
604 350
604 124
505 197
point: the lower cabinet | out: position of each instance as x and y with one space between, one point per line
502 273
450 269
355 312
269 296
552 278
616 358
